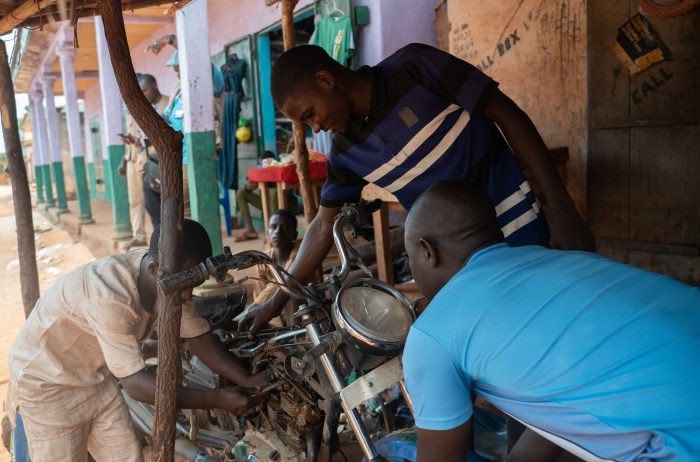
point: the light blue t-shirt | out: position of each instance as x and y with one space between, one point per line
174 114
602 355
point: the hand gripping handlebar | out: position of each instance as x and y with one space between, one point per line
216 266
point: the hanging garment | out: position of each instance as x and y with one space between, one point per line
234 71
334 34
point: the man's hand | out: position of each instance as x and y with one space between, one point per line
256 316
128 139
230 399
157 45
259 380
251 186
122 168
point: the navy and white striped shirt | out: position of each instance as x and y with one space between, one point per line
424 126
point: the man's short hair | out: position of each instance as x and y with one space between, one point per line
146 78
196 245
284 213
296 68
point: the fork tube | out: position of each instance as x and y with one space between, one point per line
406 396
352 416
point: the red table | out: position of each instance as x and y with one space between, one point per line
286 178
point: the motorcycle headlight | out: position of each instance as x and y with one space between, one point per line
373 316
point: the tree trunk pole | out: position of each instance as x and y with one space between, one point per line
28 274
301 153
168 145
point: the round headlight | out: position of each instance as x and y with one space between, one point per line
375 316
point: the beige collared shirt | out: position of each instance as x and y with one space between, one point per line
87 327
132 153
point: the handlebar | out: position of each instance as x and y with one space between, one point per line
351 216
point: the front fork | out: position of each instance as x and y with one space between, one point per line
352 416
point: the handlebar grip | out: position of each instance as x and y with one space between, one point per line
185 279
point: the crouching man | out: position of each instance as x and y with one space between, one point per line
83 337
594 356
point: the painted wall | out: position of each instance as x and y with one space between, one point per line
226 24
388 31
643 187
537 51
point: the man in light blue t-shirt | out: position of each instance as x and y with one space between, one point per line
595 357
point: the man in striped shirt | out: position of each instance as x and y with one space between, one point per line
418 117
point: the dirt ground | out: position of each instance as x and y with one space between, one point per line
57 254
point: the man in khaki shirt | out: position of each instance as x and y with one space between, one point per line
135 158
84 335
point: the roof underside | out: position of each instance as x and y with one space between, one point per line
140 23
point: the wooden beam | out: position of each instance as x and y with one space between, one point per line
139 19
80 75
301 153
19 15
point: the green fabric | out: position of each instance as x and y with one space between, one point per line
81 190
204 189
60 187
116 185
334 34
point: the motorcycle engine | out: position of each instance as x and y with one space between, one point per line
293 407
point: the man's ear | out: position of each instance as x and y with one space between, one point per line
153 267
324 79
429 252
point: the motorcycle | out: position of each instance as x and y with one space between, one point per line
337 370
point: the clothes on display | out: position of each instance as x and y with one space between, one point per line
334 34
233 71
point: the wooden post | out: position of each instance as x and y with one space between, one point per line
28 274
301 153
168 144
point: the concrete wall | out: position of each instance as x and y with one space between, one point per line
537 51
393 24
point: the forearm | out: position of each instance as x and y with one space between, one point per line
530 149
142 387
213 353
535 448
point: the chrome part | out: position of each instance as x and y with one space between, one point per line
372 383
351 414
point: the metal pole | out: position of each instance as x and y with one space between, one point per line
352 415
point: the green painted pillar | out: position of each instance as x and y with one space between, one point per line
66 53
81 190
48 184
39 180
108 178
93 180
117 190
52 150
204 189
62 204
